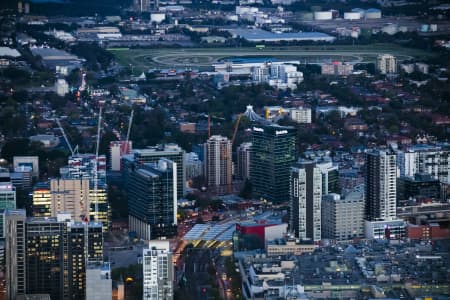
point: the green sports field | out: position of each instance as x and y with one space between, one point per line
144 59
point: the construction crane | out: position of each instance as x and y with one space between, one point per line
236 126
72 150
96 163
86 223
130 122
209 126
209 117
251 115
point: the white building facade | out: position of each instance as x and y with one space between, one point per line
281 76
158 271
300 115
61 87
218 162
343 217
427 159
305 201
387 64
381 185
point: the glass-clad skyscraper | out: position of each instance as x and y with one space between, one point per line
152 200
272 155
153 154
48 255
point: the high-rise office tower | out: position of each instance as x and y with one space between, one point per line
172 152
7 201
343 215
85 167
15 253
272 155
305 201
158 271
70 196
243 160
381 185
42 200
152 200
75 196
46 258
53 253
218 162
99 198
77 254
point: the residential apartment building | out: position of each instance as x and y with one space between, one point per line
158 271
381 185
425 159
305 201
218 163
343 215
